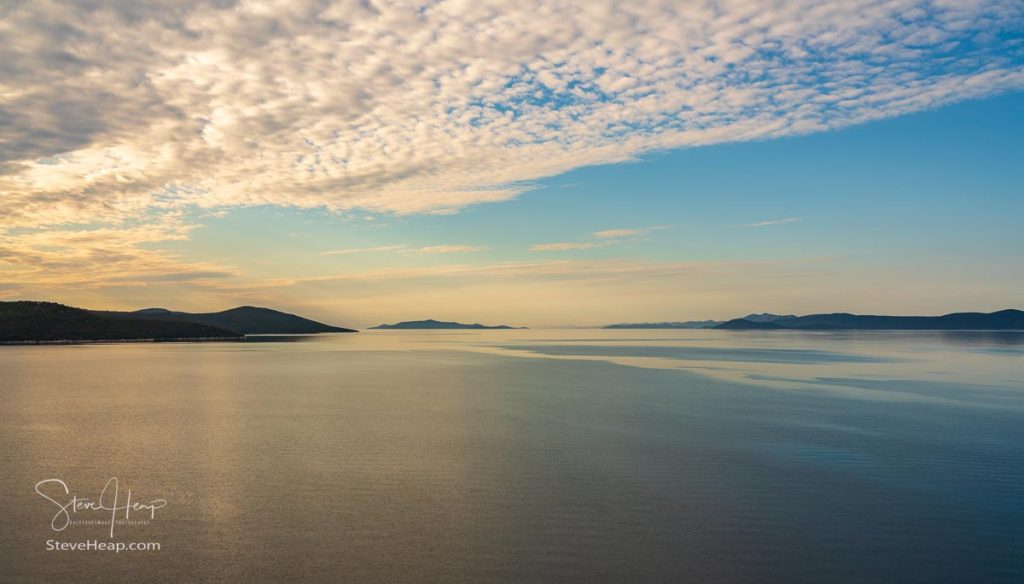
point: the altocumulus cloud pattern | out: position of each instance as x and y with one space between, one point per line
123 114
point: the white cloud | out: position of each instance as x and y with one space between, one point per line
433 249
613 233
429 249
618 233
351 250
566 246
605 238
774 222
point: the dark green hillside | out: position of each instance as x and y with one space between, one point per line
249 320
26 321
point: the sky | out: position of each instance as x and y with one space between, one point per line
526 163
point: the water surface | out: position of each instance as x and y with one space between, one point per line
526 456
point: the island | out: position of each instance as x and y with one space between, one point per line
1001 320
33 322
438 324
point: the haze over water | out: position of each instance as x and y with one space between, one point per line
527 456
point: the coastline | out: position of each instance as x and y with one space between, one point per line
110 341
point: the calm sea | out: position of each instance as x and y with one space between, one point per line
519 456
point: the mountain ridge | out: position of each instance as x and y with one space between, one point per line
1008 319
248 320
28 321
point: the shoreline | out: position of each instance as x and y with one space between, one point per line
118 341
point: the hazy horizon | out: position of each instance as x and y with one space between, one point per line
550 325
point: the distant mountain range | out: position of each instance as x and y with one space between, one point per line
695 324
247 320
689 324
437 324
767 317
1002 320
48 322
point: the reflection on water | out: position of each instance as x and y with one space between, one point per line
527 456
984 339
689 353
279 338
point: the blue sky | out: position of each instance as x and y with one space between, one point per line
943 180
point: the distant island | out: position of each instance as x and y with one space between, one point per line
695 324
689 324
247 320
438 324
26 322
1001 320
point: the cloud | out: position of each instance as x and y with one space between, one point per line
617 233
613 233
403 248
111 110
101 257
576 270
377 249
566 246
433 249
775 222
606 238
